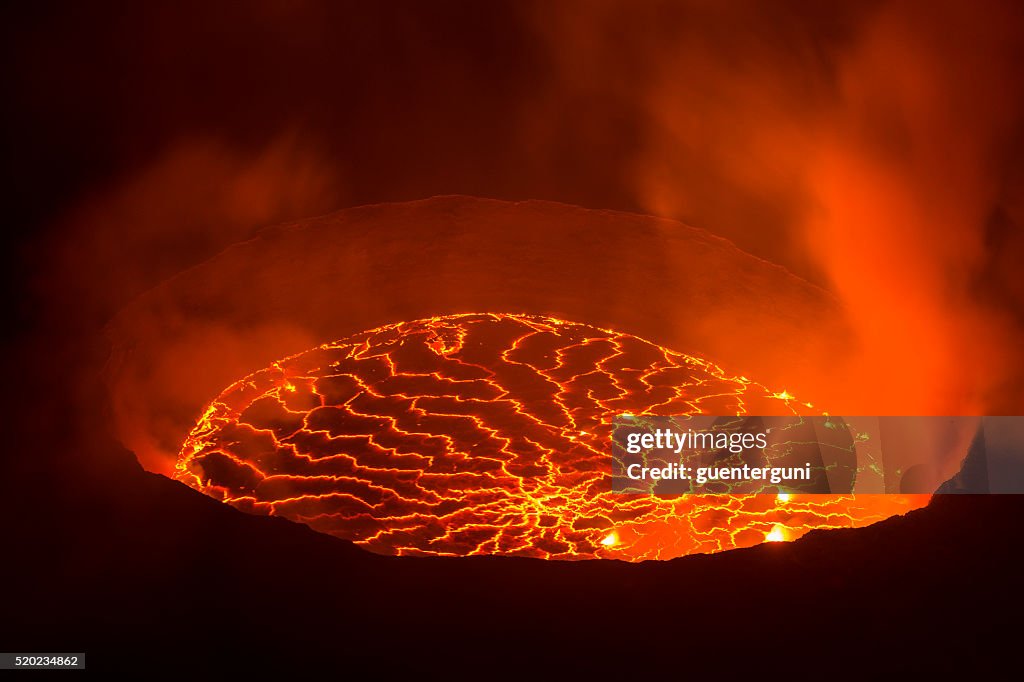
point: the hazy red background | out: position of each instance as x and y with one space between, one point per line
873 148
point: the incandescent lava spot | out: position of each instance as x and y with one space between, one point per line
487 434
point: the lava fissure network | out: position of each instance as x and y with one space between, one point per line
487 434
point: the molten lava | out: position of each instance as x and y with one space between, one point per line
487 434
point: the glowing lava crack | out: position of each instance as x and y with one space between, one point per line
486 434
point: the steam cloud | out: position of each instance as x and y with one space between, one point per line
197 198
870 147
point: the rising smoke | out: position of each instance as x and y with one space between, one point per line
872 148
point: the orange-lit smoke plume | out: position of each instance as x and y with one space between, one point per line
864 148
867 147
197 198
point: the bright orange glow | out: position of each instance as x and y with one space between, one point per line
487 434
776 534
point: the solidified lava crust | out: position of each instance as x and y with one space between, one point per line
487 434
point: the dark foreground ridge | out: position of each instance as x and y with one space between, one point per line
152 574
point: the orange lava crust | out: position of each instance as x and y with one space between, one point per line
488 434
